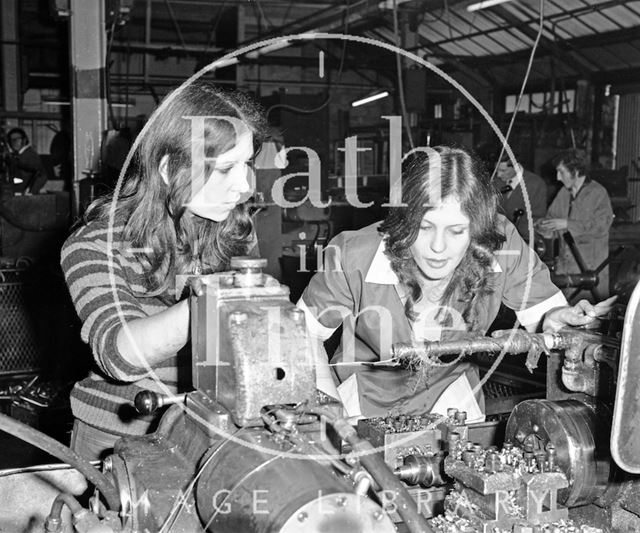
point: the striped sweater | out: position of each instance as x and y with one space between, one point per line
107 288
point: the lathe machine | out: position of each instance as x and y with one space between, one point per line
256 448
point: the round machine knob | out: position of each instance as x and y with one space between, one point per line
148 402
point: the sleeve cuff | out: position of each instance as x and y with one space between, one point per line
114 364
530 317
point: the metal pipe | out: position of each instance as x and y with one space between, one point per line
54 520
147 43
65 454
518 342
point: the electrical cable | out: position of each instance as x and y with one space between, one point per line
65 454
214 27
126 77
298 109
107 69
399 75
286 14
524 84
176 25
448 13
262 14
230 491
328 99
344 43
563 91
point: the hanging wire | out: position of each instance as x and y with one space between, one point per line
180 502
448 14
214 28
299 109
341 66
175 24
399 75
524 84
107 69
239 484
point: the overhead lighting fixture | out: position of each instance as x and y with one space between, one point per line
53 101
56 102
486 3
122 102
371 98
269 48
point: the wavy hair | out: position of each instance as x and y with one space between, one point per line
574 159
153 211
464 178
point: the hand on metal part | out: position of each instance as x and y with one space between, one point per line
580 314
197 283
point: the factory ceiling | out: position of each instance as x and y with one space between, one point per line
596 39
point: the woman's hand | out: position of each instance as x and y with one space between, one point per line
547 225
580 314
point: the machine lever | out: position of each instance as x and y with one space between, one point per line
148 402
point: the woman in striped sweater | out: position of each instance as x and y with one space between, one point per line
179 211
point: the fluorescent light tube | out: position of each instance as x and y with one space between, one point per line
484 4
371 98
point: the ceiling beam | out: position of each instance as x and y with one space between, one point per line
554 18
455 62
602 39
627 75
323 19
576 63
449 58
569 46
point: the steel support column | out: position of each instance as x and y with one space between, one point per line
10 59
89 106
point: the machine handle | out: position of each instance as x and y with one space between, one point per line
519 342
595 273
148 402
571 243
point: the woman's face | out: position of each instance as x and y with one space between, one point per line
442 241
228 183
565 176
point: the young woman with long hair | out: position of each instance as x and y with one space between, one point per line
438 266
178 212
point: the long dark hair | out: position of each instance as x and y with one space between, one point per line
153 212
464 178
